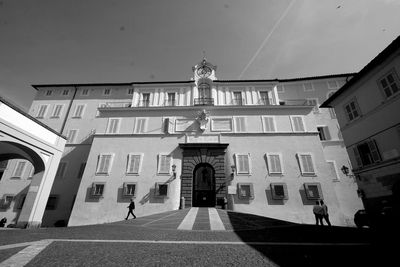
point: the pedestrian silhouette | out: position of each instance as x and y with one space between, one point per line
325 214
3 222
318 213
131 207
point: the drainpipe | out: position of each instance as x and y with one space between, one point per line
69 109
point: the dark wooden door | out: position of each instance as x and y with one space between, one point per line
204 186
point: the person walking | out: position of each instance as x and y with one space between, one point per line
131 207
325 214
318 213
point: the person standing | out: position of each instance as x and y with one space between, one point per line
325 214
318 213
131 208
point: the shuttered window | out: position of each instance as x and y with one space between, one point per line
98 189
297 123
42 111
129 189
140 125
268 124
113 125
164 163
313 190
279 191
245 190
104 164
57 111
306 164
79 111
274 163
19 169
71 136
240 124
243 163
314 103
134 163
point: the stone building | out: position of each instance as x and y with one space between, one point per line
255 146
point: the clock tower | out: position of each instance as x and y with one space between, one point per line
204 70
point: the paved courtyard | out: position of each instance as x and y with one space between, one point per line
192 237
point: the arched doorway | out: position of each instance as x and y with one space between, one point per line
204 186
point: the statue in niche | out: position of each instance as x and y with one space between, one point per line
203 118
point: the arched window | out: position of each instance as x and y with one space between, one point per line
204 90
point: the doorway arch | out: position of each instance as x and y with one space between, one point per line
204 186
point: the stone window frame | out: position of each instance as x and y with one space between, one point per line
38 115
157 190
264 124
239 172
129 162
268 156
308 191
250 192
274 196
94 193
125 189
99 163
159 158
117 127
293 124
302 167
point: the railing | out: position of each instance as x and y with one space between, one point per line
265 101
293 102
118 105
238 102
204 101
144 103
170 103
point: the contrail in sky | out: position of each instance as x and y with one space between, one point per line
266 38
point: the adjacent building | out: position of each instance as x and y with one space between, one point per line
256 146
368 109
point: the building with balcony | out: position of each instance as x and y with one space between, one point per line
368 109
255 146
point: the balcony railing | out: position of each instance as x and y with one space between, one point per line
265 102
238 102
144 103
117 105
170 103
293 102
204 101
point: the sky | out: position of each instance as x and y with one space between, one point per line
99 41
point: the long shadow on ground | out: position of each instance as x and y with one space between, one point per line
291 244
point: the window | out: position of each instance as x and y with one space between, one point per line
237 98
81 170
274 161
366 153
169 124
19 169
243 163
113 125
107 92
164 164
333 85
104 164
61 169
65 92
134 163
71 136
129 189
85 92
42 111
332 166
57 111
161 190
280 88
240 124
6 201
308 87
31 172
313 190
245 190
221 125
268 123
279 191
297 123
98 189
3 165
79 109
390 84
145 100
140 125
264 98
306 164
313 102
49 93
204 90
352 111
323 132
130 91
52 202
170 99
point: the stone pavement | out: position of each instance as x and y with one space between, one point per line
190 237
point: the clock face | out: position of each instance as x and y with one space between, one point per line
204 71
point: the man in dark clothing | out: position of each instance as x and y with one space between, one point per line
318 213
325 215
131 207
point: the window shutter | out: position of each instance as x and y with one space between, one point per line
269 124
298 125
243 164
222 124
140 125
19 169
134 163
374 150
71 136
113 125
275 164
307 164
165 163
104 164
42 111
240 123
357 156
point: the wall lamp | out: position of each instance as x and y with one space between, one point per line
233 167
174 170
345 170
